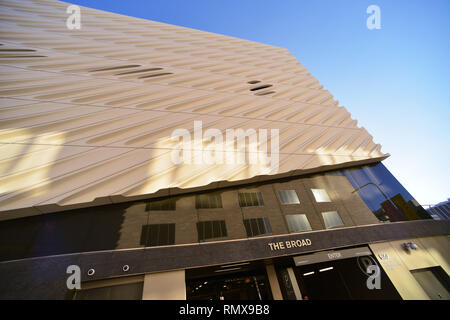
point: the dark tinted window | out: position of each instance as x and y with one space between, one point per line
158 234
257 226
250 199
208 201
211 229
383 193
165 204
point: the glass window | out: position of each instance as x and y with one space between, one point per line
208 201
158 234
250 199
211 229
298 223
288 197
383 193
165 204
257 226
332 219
321 195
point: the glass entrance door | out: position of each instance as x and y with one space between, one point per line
344 279
241 285
321 281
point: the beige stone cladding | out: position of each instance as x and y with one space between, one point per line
400 264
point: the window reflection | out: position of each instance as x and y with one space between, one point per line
250 199
321 195
363 195
288 197
257 227
298 223
332 219
383 194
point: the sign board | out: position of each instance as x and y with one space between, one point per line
331 255
282 245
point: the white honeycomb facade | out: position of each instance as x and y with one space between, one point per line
86 115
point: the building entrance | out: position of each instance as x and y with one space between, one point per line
237 282
321 281
342 280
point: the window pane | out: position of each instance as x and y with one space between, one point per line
153 235
258 226
206 201
254 199
208 229
165 204
171 239
200 232
144 235
292 196
248 199
321 195
268 228
298 223
260 199
197 202
254 227
247 228
281 196
332 219
288 197
158 234
241 199
216 229
211 202
163 236
261 226
223 229
211 229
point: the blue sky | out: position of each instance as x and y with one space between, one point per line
395 81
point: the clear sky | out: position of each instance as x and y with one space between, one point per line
395 81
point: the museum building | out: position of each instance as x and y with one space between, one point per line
88 179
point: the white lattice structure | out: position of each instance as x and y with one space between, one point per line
86 115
